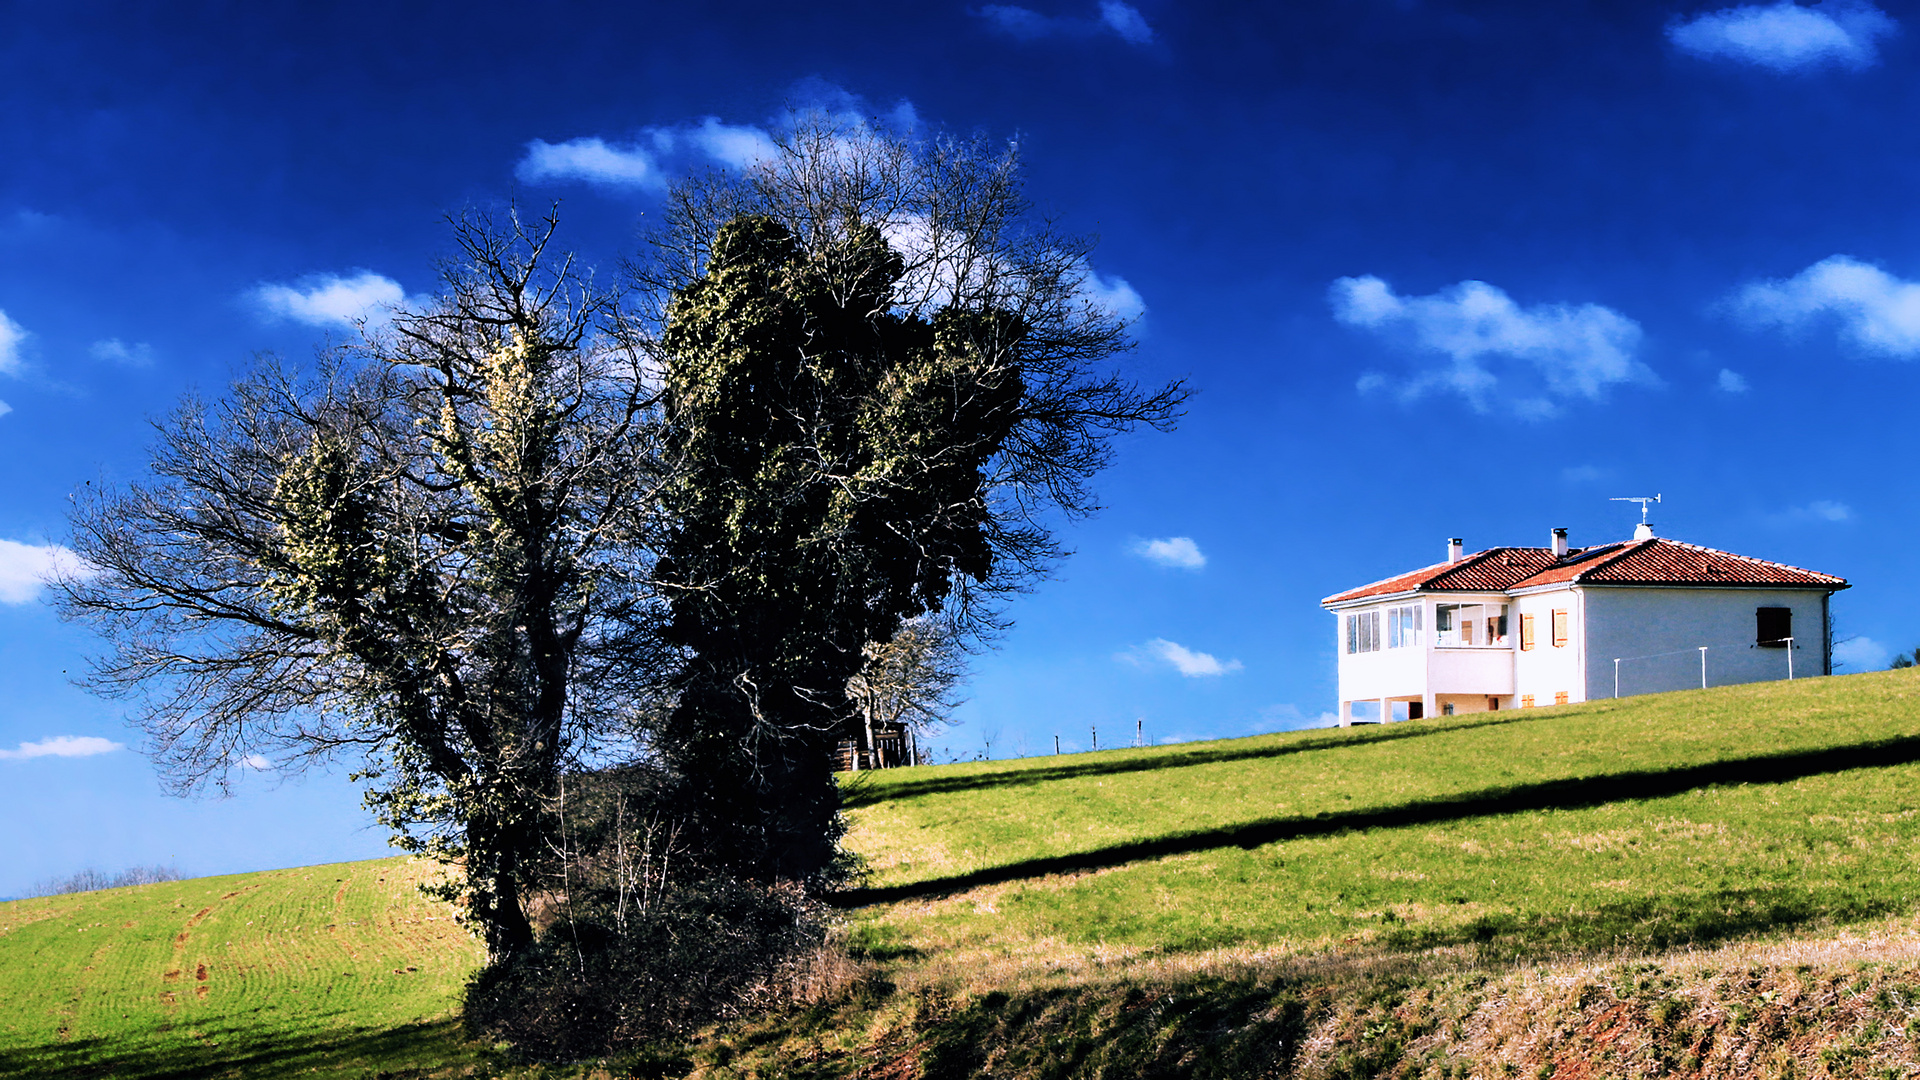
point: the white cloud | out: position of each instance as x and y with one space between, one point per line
1544 353
1861 654
12 335
115 351
24 568
1175 551
1126 20
1194 665
1112 295
1120 19
1582 474
255 762
1290 717
1731 382
332 300
1876 311
5 408
593 160
734 145
62 746
1785 36
1819 511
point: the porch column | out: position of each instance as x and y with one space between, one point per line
1386 710
1430 704
1346 714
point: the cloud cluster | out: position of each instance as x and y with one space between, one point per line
12 336
332 300
650 161
1530 358
62 746
1119 19
24 568
1825 511
1731 382
1194 665
645 162
114 351
1875 311
1787 37
1179 552
1861 654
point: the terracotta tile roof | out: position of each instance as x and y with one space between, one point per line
1492 570
1658 561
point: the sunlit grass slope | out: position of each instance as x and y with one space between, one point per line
324 970
1618 825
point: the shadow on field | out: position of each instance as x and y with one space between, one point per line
1650 923
239 1049
862 792
1570 794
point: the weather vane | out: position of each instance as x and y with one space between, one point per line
1644 502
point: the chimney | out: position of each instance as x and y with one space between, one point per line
1643 531
1559 543
1455 548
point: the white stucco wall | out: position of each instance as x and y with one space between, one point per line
1387 672
1424 670
1642 624
1546 670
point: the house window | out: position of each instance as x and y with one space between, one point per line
1526 700
1462 625
1526 638
1363 632
1559 697
1773 626
1403 626
1559 629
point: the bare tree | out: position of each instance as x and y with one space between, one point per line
910 681
431 554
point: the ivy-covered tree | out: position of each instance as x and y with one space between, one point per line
880 381
431 554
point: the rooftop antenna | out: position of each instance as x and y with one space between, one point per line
1644 531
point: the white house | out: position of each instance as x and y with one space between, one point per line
1520 627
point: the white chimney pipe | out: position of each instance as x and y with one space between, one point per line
1643 531
1559 543
1455 548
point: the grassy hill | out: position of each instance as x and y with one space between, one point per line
325 970
1417 897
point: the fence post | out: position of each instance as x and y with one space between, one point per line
1616 676
1703 667
1789 659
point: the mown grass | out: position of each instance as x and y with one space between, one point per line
1646 823
325 970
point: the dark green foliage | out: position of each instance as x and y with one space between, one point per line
1905 659
831 487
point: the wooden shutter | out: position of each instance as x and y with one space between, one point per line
1559 629
1772 627
1526 633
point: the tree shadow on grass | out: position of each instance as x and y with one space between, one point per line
237 1048
1570 794
1648 924
865 790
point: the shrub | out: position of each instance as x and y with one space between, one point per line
699 953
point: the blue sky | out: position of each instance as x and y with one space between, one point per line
1435 269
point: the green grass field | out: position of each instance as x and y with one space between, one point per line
1640 824
325 970
1594 833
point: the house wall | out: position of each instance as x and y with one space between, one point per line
1547 670
1386 673
1659 632
1420 671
